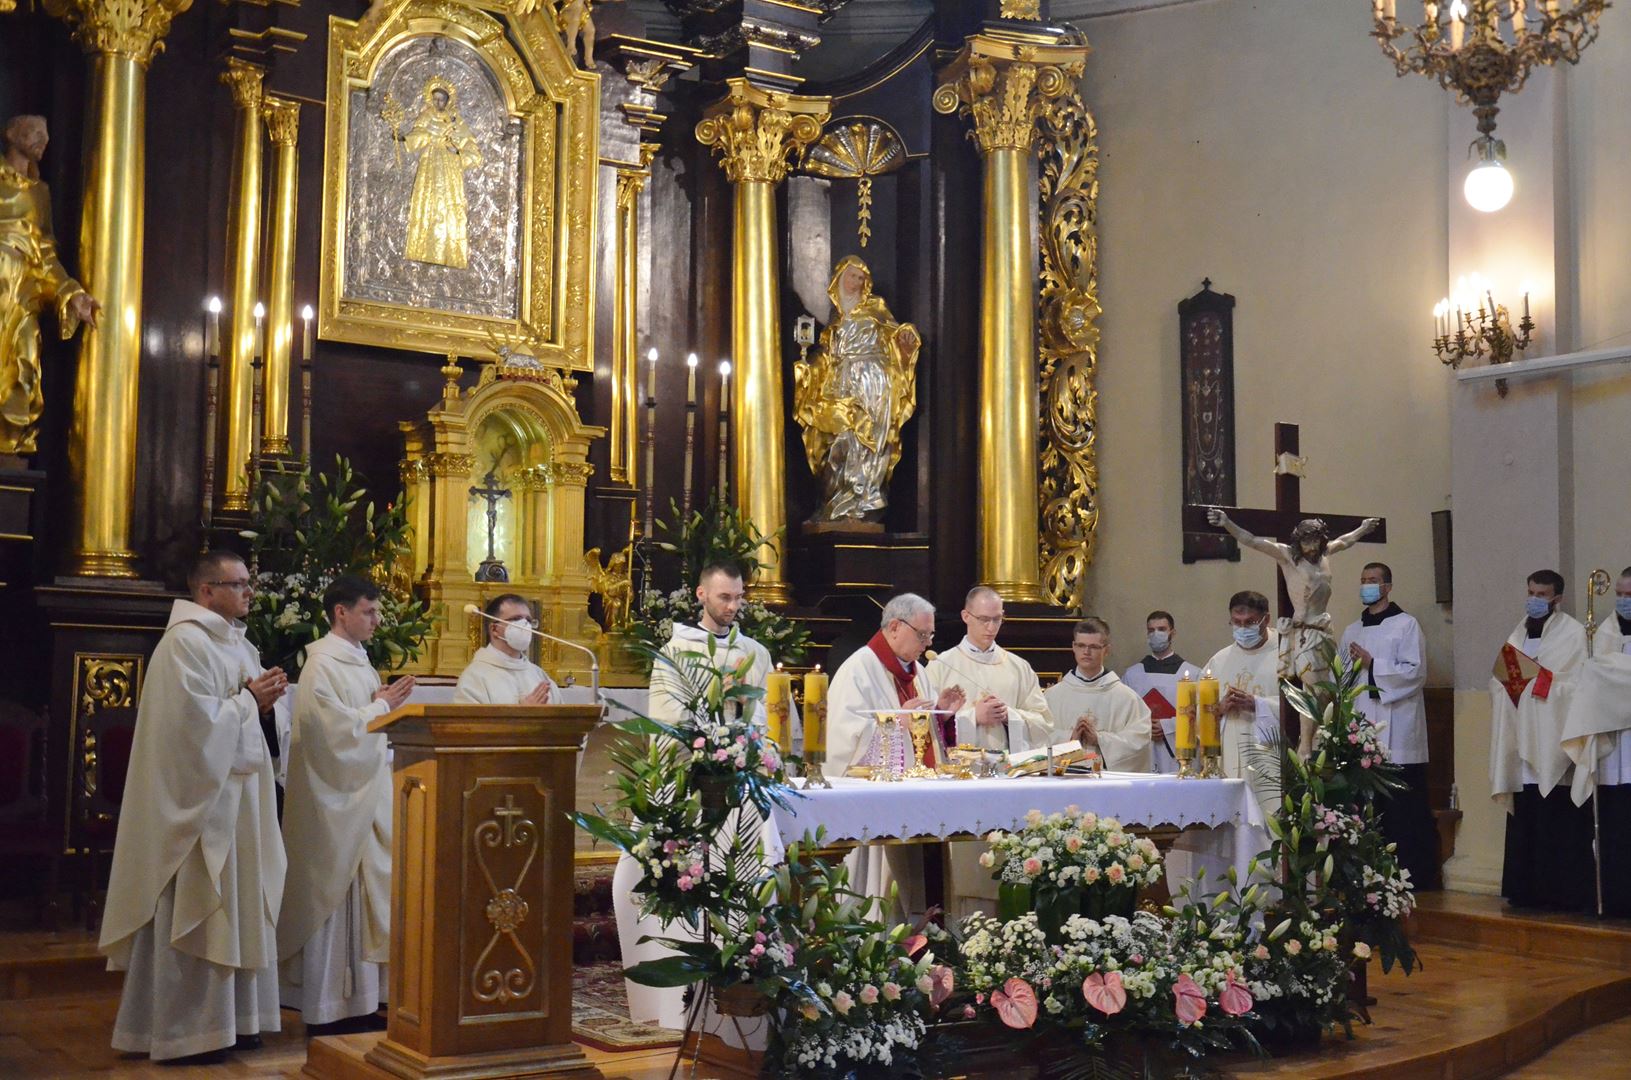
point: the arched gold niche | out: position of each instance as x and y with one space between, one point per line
519 418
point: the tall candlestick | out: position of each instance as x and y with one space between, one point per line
1184 729
260 320
691 378
724 426
690 426
651 374
212 328
305 335
1206 703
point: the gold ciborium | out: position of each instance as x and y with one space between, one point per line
918 725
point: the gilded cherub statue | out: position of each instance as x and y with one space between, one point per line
614 584
853 397
31 276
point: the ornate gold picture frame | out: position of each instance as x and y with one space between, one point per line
458 184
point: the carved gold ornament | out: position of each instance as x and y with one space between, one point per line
1068 193
858 150
755 132
133 28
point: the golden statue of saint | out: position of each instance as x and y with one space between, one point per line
30 277
853 396
437 214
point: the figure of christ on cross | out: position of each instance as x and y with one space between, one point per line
492 567
1304 569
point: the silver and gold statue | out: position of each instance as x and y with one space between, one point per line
438 214
31 276
853 397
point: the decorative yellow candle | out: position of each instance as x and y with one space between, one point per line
778 696
815 712
1186 714
1206 700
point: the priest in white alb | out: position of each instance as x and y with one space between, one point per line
1597 738
1387 644
884 675
1093 706
720 593
1248 675
1548 859
500 672
198 863
1005 709
334 934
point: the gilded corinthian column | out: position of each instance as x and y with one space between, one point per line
754 132
121 37
1005 96
243 268
283 125
625 426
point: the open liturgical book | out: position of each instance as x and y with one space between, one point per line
1064 757
1515 670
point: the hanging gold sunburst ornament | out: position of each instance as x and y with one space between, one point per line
857 150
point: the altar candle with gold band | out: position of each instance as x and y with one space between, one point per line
1206 701
778 698
815 712
1185 727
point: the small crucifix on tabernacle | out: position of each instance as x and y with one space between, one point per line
1304 572
492 567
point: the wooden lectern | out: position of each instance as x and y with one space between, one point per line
481 896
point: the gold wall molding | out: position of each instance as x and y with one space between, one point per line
246 82
541 130
1068 197
1030 10
625 418
128 28
446 464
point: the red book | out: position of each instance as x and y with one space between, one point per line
1160 707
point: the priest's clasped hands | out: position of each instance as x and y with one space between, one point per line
1237 700
538 695
267 687
1086 730
396 694
990 711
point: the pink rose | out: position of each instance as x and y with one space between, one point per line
968 1012
1033 866
1015 1003
1073 844
809 1012
699 743
942 976
1105 992
1261 952
684 883
1188 1000
1116 875
757 950
842 1003
869 995
1293 947
891 991
1234 999
1090 875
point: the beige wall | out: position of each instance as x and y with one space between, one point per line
1273 150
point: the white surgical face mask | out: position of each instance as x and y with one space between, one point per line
1159 642
518 636
1248 637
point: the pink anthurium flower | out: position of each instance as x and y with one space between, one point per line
914 944
941 976
1015 1003
1234 999
1105 992
1188 1000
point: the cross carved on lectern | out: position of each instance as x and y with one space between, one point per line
1287 512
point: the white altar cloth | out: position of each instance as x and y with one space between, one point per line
861 810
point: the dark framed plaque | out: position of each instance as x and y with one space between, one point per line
1206 336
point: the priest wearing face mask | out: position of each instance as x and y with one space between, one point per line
1387 644
1008 711
1155 679
500 673
1095 708
1548 838
1597 737
1248 676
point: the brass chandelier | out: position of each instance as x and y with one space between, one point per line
1482 49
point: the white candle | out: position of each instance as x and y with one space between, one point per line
305 337
724 386
260 318
1391 11
1457 29
651 374
212 328
691 378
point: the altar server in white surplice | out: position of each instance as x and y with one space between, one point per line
1248 675
885 674
198 863
1548 859
1093 706
721 593
334 935
1155 679
1597 737
1387 644
500 673
1005 709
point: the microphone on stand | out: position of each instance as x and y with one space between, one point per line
594 661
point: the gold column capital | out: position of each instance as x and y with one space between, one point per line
630 183
756 131
282 118
133 28
244 80
1004 87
